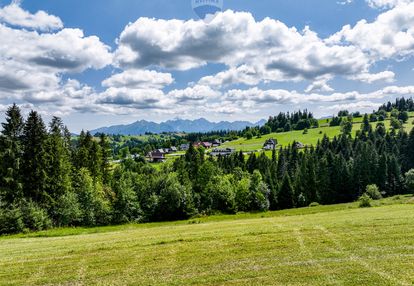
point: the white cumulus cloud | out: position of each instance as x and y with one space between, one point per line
14 15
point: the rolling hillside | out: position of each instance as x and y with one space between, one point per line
311 138
324 245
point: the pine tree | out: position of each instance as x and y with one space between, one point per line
394 178
285 195
34 159
193 160
58 161
409 152
106 155
324 180
382 171
366 126
11 156
95 161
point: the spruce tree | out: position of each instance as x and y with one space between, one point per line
58 161
285 195
106 156
366 126
11 156
34 159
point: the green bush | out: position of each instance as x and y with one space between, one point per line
11 221
314 204
365 201
409 180
373 192
68 211
35 218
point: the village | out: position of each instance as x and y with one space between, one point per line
213 149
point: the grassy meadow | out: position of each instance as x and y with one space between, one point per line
311 138
323 245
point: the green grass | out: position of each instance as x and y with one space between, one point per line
324 245
285 138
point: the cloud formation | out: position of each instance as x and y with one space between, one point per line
137 79
391 35
14 15
32 62
385 4
37 55
253 50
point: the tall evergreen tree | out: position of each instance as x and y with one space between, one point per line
366 126
285 195
58 161
34 159
11 156
106 156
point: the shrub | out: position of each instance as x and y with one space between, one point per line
11 221
305 131
409 180
68 211
35 218
314 204
373 192
365 201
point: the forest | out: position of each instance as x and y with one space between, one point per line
48 179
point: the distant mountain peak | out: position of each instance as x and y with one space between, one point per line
176 125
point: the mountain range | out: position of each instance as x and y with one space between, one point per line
176 126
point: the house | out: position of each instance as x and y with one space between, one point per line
206 145
270 144
298 145
173 149
156 156
184 147
216 143
222 152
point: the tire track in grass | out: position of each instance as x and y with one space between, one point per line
307 253
81 272
339 249
37 276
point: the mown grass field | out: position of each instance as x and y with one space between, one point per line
325 245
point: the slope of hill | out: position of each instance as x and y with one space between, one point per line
311 138
323 245
176 125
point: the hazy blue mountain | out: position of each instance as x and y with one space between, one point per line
176 125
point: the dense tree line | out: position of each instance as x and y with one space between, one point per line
48 180
283 122
400 104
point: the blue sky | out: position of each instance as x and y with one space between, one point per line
98 63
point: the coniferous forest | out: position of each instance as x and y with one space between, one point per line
48 179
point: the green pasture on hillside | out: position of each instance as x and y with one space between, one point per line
325 245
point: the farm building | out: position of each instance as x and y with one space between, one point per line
270 144
156 156
184 147
206 145
298 145
222 152
216 143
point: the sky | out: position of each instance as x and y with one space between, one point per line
98 63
